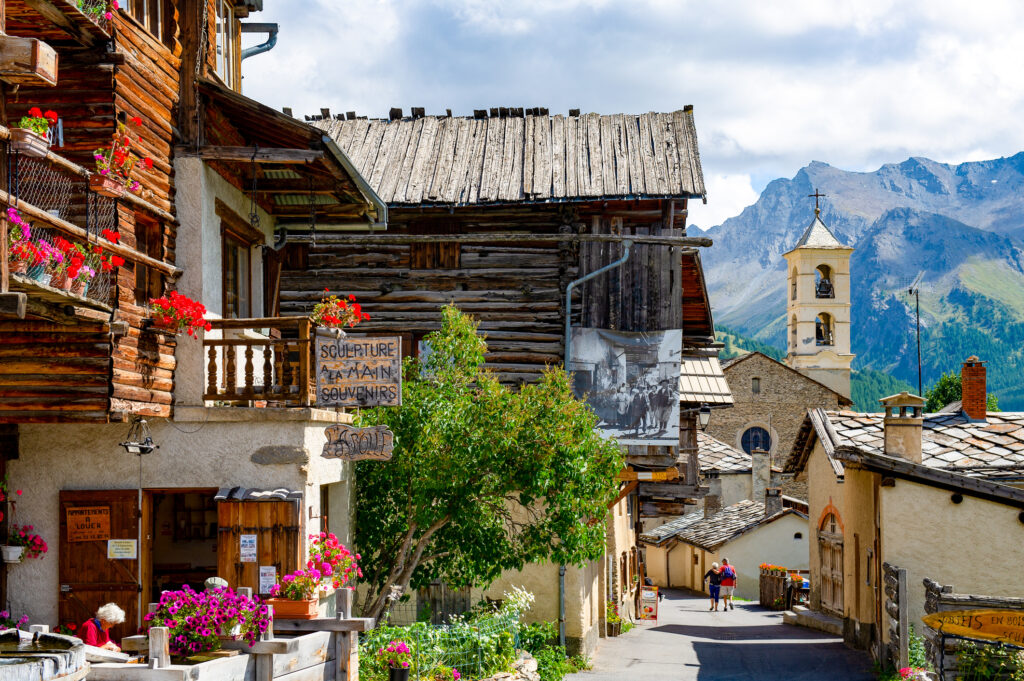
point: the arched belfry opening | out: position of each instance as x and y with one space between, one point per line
824 329
824 286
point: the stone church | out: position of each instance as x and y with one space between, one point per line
772 397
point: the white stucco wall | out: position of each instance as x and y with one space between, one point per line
771 543
735 487
192 454
976 546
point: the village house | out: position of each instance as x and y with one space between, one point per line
145 457
748 533
902 488
502 213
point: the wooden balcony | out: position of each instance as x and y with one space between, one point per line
255 361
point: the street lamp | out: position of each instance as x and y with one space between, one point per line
139 440
703 416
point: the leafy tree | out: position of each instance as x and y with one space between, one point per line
949 388
482 478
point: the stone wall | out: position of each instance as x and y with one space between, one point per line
779 407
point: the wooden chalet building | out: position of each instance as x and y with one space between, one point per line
238 435
498 213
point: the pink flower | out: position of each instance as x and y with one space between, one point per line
108 16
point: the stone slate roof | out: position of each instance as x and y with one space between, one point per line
517 158
715 455
990 449
817 235
844 401
721 528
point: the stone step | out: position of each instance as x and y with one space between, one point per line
819 621
789 617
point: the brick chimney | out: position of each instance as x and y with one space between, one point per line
974 398
772 501
904 423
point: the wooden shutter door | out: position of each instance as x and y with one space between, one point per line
276 526
88 579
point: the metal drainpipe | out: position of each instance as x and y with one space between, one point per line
568 353
252 27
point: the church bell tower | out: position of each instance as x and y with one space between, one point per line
818 306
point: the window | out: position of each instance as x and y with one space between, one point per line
238 240
792 278
228 52
823 282
148 240
798 536
823 329
756 439
149 13
755 385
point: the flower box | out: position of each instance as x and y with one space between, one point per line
294 610
104 185
28 143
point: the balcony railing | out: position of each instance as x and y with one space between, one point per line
52 196
257 360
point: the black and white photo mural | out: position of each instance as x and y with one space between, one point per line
631 381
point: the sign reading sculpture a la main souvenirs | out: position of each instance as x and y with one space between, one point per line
1005 626
358 372
356 444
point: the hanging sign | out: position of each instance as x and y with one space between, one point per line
122 549
357 444
268 578
358 372
247 548
88 523
1004 626
648 603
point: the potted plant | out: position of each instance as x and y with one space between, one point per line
337 565
295 596
443 673
25 258
198 620
397 657
333 312
23 543
612 618
116 163
175 313
98 10
32 134
7 621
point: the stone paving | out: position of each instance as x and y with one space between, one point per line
689 643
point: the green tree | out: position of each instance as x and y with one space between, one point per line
949 388
482 478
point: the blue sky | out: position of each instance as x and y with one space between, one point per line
774 84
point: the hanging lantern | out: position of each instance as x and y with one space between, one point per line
139 440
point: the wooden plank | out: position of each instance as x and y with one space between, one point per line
377 158
618 130
327 671
401 148
421 171
325 624
672 162
607 156
456 179
251 154
542 157
313 649
494 155
635 155
529 135
557 156
647 157
571 164
690 178
511 188
658 140
595 186
444 157
477 160
416 128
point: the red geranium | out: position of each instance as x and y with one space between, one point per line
111 235
335 312
179 313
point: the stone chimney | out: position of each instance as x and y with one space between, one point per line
904 423
974 397
772 501
760 472
712 505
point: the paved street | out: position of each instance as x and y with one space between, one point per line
689 643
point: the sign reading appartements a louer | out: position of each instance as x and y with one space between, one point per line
356 444
358 372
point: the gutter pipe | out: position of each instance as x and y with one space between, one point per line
628 245
253 27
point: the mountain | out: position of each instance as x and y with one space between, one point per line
961 225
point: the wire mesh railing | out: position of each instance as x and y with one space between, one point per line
42 255
99 11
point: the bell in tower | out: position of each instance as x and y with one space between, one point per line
818 305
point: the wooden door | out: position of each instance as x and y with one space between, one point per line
275 524
88 578
830 552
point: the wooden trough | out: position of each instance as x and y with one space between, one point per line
322 649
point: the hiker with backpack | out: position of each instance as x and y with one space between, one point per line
728 573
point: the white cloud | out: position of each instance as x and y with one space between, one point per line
728 195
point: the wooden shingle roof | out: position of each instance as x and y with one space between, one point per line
454 161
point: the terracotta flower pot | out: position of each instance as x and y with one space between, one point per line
294 610
60 280
104 185
19 267
28 143
79 287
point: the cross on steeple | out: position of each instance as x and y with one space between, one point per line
816 195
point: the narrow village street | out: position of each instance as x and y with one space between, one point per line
689 643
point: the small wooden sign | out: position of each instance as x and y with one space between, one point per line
358 372
1004 626
357 444
88 523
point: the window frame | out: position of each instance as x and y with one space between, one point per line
153 16
226 42
234 228
767 434
755 385
149 239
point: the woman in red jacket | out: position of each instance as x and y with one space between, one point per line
96 631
